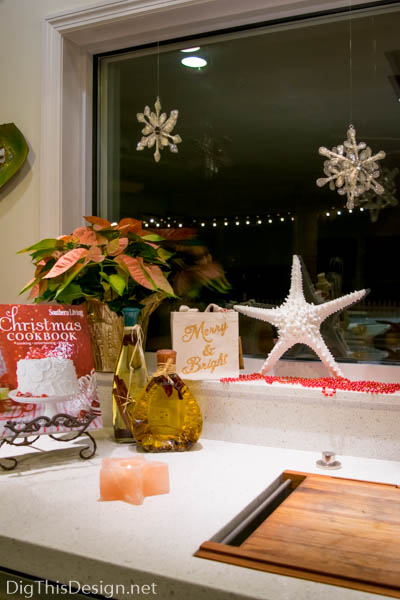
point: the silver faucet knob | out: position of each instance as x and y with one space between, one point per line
328 457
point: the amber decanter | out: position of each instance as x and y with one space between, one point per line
166 416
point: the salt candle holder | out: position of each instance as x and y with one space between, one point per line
132 479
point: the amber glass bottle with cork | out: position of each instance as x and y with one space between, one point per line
166 416
129 377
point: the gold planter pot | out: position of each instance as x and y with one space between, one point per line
106 330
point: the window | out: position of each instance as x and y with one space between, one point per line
252 121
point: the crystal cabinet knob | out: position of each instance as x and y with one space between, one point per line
328 461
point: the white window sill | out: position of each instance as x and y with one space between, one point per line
288 416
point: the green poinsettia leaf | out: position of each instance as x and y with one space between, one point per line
193 293
68 279
14 151
47 296
39 254
53 286
143 250
152 237
104 276
46 244
30 284
164 255
45 268
117 283
124 274
72 292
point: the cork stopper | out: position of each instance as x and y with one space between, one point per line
164 355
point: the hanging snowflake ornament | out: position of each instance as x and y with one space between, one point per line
157 130
375 203
351 168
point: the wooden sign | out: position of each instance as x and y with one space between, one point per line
206 344
330 530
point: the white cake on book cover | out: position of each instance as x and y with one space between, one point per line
47 372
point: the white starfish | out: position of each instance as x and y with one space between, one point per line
298 321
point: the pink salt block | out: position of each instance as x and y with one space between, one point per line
155 478
131 479
122 482
112 461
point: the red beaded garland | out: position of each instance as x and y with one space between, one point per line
328 385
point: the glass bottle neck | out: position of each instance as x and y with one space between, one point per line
130 336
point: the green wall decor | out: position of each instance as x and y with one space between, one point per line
13 151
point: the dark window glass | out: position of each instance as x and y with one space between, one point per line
252 121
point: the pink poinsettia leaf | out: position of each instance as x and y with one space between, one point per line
43 285
98 223
66 238
88 237
135 271
117 246
158 277
181 233
85 235
35 292
208 271
95 254
68 260
128 224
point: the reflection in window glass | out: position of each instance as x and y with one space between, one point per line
252 120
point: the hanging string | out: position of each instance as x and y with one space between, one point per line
137 357
166 369
374 45
158 69
350 65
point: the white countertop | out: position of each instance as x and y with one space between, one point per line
53 526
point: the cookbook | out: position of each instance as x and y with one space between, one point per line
46 367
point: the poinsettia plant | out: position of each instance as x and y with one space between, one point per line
120 264
192 266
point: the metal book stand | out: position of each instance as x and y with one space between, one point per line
21 432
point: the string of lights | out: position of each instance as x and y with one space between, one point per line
238 221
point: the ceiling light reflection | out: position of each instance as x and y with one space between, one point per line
194 62
194 49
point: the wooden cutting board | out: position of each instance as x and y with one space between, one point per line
332 530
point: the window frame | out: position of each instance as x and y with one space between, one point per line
70 41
